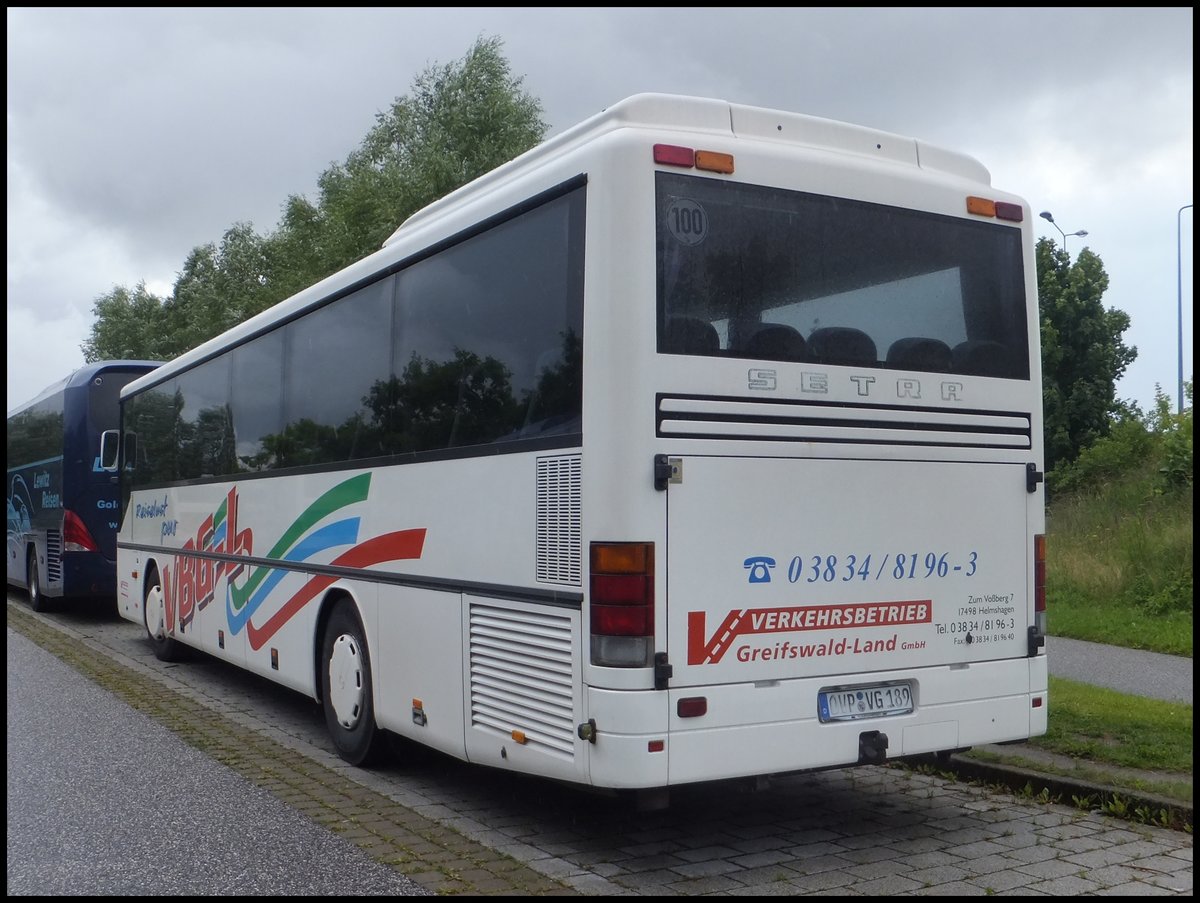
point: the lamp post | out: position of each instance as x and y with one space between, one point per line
1179 283
1045 214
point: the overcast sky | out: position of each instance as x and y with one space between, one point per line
136 135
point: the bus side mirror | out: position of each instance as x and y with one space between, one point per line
110 448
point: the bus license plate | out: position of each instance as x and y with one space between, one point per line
873 701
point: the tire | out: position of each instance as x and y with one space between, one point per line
346 688
37 599
166 649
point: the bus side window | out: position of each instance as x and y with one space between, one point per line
130 450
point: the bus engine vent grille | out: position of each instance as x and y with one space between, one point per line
54 548
521 676
560 520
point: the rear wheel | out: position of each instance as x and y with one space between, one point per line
346 688
154 615
37 599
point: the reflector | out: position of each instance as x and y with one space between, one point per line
674 155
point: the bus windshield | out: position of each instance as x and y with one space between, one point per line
764 273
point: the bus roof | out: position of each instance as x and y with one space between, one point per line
673 112
82 376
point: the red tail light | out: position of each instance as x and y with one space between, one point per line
76 537
674 155
621 604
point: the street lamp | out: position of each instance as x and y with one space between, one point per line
1045 214
1179 281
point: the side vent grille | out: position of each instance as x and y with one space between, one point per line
54 548
521 676
559 547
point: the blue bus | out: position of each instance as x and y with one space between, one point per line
63 509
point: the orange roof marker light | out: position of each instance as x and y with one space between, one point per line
714 162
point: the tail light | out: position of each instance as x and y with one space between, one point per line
621 604
76 537
1039 582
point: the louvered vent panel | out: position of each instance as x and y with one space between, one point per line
791 421
559 520
54 548
521 676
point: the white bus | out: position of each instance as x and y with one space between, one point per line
701 441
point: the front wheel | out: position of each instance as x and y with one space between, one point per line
154 615
346 688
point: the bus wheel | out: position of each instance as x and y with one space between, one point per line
154 613
37 599
346 688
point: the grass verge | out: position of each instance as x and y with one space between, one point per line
1102 725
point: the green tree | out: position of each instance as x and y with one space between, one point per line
460 121
1083 354
129 325
220 286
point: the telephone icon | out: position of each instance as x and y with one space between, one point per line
759 567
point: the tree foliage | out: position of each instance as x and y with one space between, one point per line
460 121
130 325
1083 354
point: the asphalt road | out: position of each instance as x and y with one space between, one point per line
1134 671
105 801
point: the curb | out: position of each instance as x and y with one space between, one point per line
1120 803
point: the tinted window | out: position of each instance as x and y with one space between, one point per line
490 335
36 434
152 416
205 427
476 344
257 402
334 357
758 273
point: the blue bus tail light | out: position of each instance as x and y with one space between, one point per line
77 537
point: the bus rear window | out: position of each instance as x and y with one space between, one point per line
769 274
